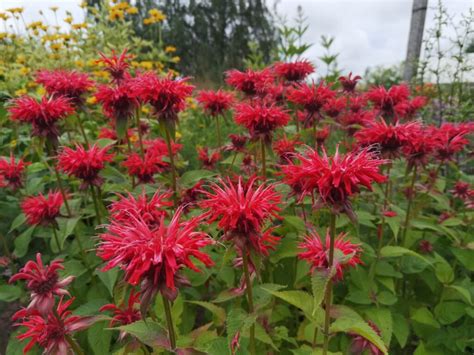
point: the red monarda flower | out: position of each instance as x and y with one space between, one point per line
295 71
84 164
52 331
145 168
118 102
125 313
149 210
321 135
353 121
334 106
42 210
238 143
339 177
154 256
11 172
414 105
450 139
116 66
348 82
357 103
461 190
43 282
425 246
285 148
386 101
215 102
190 196
419 148
241 210
275 93
165 95
311 97
250 82
42 114
158 146
208 161
316 253
70 84
391 138
261 118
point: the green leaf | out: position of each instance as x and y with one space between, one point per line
17 222
299 299
395 252
424 316
401 329
382 317
319 281
443 271
109 278
105 142
9 293
465 257
149 332
66 228
262 335
449 312
463 292
360 327
98 339
295 223
22 242
217 311
190 178
386 298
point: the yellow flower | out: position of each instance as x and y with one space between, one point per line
31 84
175 59
15 10
147 21
101 74
56 46
54 8
4 16
79 63
68 19
21 92
134 138
115 14
135 64
41 90
146 65
91 100
78 26
3 35
24 70
178 135
83 4
122 6
21 59
132 10
145 110
170 49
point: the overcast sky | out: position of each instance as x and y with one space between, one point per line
367 32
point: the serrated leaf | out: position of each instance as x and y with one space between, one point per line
299 299
149 332
390 251
217 311
98 339
109 278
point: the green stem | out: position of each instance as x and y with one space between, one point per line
73 344
173 168
140 139
410 203
169 322
81 128
248 285
328 295
315 337
96 205
56 239
218 131
264 162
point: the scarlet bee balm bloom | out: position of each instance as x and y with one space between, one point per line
44 283
84 164
295 71
70 84
241 209
11 172
250 82
153 257
215 102
316 253
117 66
42 210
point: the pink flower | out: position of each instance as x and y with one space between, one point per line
43 282
51 331
316 253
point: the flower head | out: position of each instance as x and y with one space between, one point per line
348 82
285 148
42 114
295 71
391 138
241 209
419 148
149 210
154 256
117 66
144 168
119 102
261 118
125 313
386 101
70 84
450 139
51 332
311 97
84 164
461 190
237 143
336 178
208 161
42 210
43 282
321 135
11 172
353 121
316 253
165 95
250 82
334 106
215 102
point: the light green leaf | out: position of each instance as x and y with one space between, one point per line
9 293
17 222
424 316
149 332
390 251
98 339
401 329
299 299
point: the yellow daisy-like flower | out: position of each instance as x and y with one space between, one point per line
68 19
132 10
41 90
175 59
178 135
170 49
147 21
21 59
83 4
31 84
54 8
116 14
133 138
146 65
135 64
122 5
3 36
145 110
21 92
79 26
4 16
56 46
24 70
79 63
15 10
